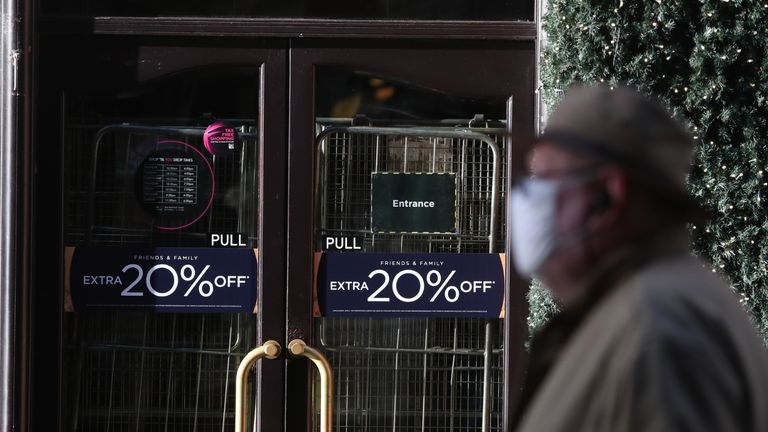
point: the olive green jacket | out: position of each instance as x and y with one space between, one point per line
664 347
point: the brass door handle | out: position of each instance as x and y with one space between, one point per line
270 349
299 348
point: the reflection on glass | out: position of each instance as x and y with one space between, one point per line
345 94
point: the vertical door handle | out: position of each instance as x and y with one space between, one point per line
270 349
299 348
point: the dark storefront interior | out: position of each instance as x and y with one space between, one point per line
322 96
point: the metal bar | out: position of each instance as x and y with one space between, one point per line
238 337
320 173
141 374
433 141
539 108
226 381
463 175
123 202
14 214
270 349
493 125
405 154
452 410
211 211
150 349
369 363
78 386
199 374
244 190
298 348
397 376
9 176
341 359
169 383
487 364
424 380
446 351
345 186
111 393
515 328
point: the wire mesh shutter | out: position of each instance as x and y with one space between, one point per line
411 374
143 371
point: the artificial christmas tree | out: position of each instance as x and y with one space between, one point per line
707 60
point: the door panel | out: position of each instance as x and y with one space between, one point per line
138 370
408 373
403 373
147 370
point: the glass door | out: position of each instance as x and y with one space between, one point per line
357 188
396 268
171 172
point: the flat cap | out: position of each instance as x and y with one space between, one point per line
622 126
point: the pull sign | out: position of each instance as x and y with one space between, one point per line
342 243
235 240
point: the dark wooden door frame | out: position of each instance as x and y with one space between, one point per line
492 70
286 230
273 166
270 56
291 28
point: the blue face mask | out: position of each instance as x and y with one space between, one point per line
535 235
534 212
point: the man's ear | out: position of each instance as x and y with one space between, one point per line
600 202
609 198
615 181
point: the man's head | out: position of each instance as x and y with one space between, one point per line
608 172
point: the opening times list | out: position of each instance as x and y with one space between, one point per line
170 182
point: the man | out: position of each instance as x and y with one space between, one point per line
649 339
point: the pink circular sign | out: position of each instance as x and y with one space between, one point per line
220 139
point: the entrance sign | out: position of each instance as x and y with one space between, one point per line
409 284
161 279
413 202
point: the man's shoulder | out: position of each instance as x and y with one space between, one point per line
679 290
676 297
681 302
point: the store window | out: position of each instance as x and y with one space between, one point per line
154 161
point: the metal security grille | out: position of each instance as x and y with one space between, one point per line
137 371
413 374
99 203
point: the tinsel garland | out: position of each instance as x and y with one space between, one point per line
707 60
